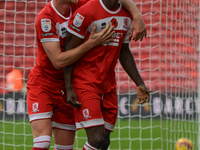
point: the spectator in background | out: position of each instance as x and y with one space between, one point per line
14 80
14 86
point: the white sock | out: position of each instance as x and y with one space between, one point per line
87 146
42 141
63 147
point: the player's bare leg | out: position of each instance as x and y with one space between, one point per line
96 136
107 140
63 137
42 132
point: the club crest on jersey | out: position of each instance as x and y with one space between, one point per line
126 23
78 20
46 25
86 114
35 107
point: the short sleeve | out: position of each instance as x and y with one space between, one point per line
79 23
46 29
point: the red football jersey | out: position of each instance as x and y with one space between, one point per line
51 26
95 70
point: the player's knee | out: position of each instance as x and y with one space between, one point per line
97 141
42 142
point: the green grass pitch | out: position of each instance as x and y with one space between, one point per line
129 134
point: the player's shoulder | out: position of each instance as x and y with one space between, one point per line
123 11
93 4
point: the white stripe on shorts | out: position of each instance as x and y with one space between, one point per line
38 116
63 126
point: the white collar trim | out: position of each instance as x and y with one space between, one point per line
112 12
60 13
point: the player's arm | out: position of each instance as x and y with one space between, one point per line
72 42
60 59
138 23
128 63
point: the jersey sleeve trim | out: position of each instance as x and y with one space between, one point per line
75 33
49 40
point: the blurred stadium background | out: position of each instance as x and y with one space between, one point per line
168 60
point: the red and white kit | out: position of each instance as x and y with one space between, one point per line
45 87
94 75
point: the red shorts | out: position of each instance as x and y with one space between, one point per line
45 103
96 110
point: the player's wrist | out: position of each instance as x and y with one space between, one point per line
89 44
137 16
69 87
142 84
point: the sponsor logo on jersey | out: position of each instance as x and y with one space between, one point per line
46 25
47 34
117 36
35 107
78 20
103 25
86 114
77 29
61 29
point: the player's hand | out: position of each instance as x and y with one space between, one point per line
103 36
140 29
143 94
72 98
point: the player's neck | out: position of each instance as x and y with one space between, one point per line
63 9
110 4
